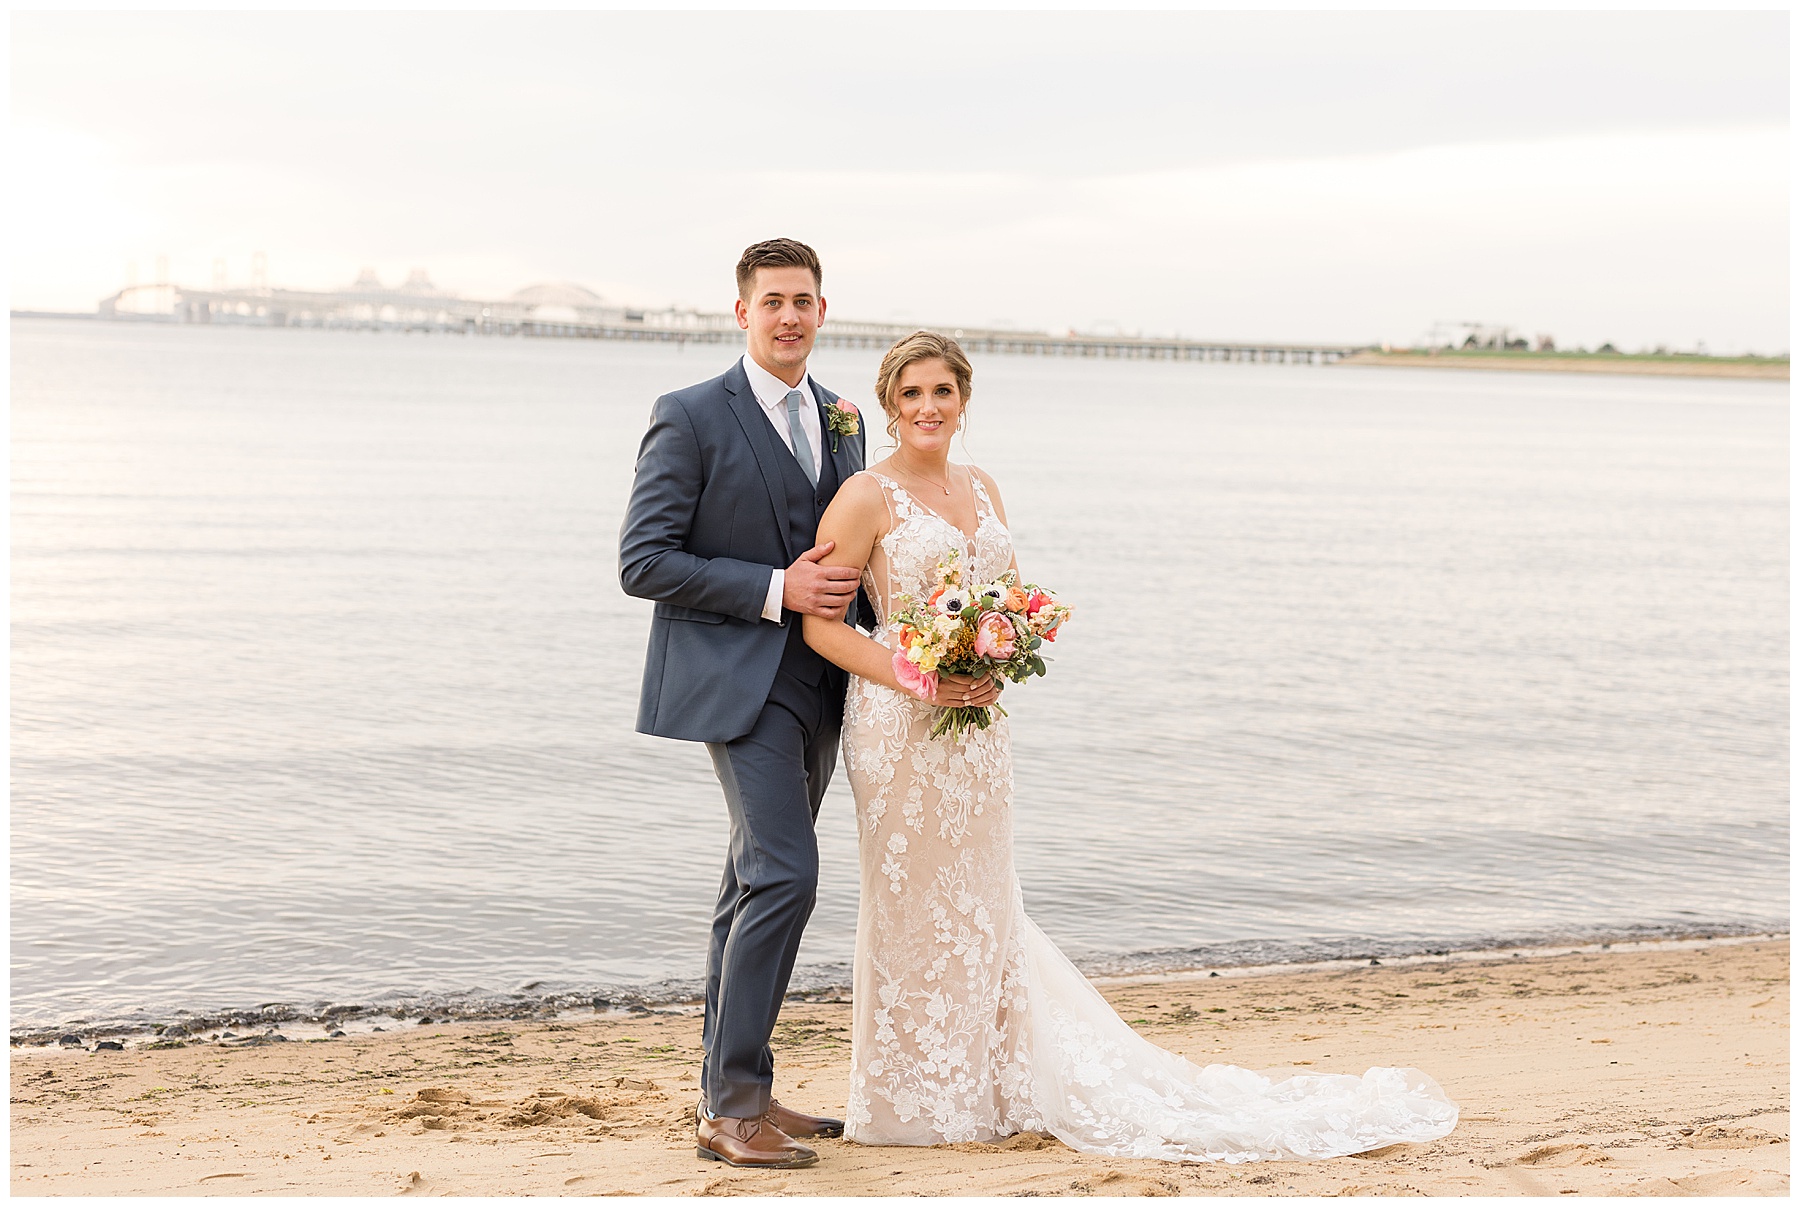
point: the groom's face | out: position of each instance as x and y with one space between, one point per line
782 316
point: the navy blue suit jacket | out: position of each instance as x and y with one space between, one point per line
707 522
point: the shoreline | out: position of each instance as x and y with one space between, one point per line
1698 366
1534 950
1007 342
1620 1072
189 1026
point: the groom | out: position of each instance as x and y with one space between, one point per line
732 478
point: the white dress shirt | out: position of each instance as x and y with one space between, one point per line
771 392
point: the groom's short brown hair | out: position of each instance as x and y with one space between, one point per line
776 253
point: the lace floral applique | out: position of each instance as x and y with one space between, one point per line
970 1024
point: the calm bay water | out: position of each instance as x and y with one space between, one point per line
323 685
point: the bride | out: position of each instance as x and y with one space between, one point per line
969 1023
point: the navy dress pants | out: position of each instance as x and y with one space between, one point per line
774 778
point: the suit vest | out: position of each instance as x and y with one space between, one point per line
805 505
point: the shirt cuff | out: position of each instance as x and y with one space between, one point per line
772 601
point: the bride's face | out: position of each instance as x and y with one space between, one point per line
929 405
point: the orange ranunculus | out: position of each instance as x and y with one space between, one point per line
1016 600
935 596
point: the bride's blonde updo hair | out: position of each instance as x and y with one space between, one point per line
920 345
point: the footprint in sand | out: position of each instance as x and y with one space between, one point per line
443 1109
1112 1182
1735 1182
733 1187
1020 1142
1719 1135
564 1108
1381 1154
1554 1156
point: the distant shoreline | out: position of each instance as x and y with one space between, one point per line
1762 367
975 342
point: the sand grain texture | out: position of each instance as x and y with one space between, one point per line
1658 1073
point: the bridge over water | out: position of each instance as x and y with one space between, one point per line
570 312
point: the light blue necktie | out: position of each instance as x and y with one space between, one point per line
802 448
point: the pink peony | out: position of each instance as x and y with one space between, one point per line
844 404
995 637
921 685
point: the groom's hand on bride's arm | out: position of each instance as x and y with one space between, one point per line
817 590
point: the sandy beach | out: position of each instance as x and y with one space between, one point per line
1698 366
1660 1071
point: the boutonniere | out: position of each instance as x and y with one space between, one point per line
841 416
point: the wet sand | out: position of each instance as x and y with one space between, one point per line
1659 1072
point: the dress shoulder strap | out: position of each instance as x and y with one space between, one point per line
899 499
981 493
890 492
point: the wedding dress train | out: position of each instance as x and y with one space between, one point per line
969 1023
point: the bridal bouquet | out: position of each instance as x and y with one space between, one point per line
977 629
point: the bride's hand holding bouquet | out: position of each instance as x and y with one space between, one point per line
976 630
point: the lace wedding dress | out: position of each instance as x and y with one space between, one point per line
969 1023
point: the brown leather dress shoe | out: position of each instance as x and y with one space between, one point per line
803 1127
751 1144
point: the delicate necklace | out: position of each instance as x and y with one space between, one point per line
911 473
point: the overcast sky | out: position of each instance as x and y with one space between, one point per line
1611 176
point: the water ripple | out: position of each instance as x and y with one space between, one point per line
323 687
